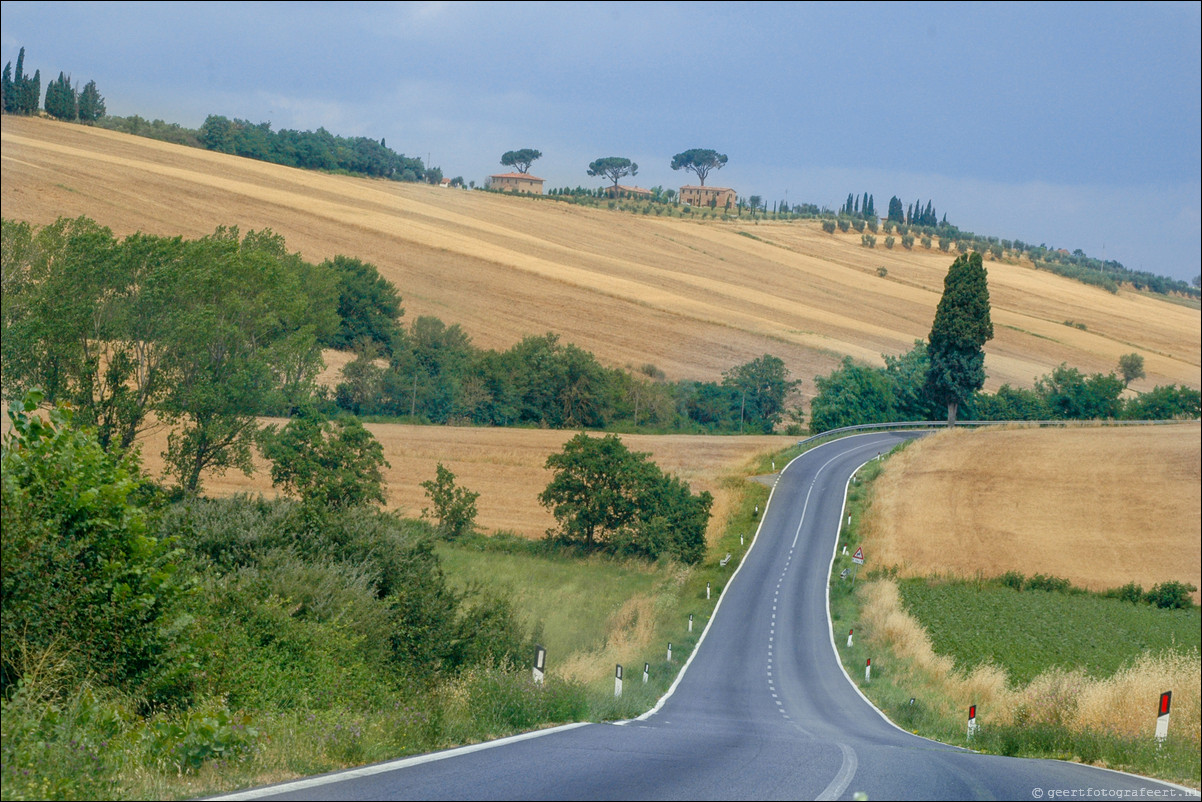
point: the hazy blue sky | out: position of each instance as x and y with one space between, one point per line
1076 124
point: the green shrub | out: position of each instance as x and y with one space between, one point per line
828 226
1131 592
844 224
1171 595
1052 584
56 747
81 569
208 732
889 242
1013 579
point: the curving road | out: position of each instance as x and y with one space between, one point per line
763 710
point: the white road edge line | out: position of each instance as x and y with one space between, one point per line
392 765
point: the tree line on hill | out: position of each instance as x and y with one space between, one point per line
857 393
21 94
310 150
307 150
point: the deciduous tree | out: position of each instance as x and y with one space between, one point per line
454 506
605 495
1132 368
329 464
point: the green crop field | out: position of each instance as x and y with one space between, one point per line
1027 632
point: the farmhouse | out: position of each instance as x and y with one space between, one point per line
637 193
516 182
713 197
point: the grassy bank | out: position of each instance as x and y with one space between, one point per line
1072 676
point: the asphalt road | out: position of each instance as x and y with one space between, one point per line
763 710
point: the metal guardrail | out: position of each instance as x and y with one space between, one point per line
936 424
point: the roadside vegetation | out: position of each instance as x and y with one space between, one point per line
244 641
1055 671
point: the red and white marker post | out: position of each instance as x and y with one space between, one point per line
1162 717
868 670
849 633
972 720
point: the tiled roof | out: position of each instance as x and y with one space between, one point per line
525 176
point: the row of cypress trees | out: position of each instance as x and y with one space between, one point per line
21 94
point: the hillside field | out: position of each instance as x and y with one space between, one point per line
693 298
1098 506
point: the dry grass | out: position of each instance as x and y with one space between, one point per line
692 298
1099 506
505 466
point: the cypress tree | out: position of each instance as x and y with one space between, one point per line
962 327
34 96
6 88
60 99
91 103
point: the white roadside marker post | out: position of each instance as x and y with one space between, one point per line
868 670
646 672
1162 718
707 590
618 681
972 721
849 633
540 664
669 652
690 622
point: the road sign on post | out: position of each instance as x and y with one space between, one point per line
858 557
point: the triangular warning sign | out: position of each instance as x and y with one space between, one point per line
858 557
